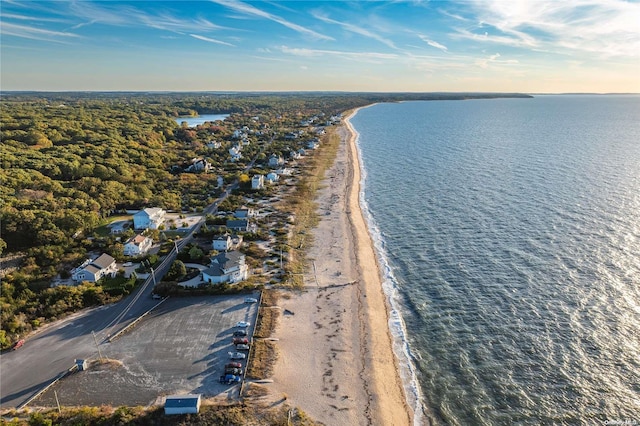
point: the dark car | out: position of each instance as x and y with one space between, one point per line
230 378
234 371
240 333
240 340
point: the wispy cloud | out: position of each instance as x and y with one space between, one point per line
31 18
495 58
433 43
250 10
354 29
211 40
24 31
128 16
340 53
604 28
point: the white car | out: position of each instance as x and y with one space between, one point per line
243 324
237 355
127 264
250 300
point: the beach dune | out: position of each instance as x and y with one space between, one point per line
336 359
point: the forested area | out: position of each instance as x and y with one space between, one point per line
69 161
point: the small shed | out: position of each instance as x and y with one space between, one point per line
81 364
182 404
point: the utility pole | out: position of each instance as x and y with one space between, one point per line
153 275
97 345
57 402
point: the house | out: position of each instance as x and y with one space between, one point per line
213 144
182 404
240 225
244 213
220 181
275 161
94 270
257 182
222 243
272 177
313 144
226 267
234 152
227 242
294 155
137 246
150 218
199 165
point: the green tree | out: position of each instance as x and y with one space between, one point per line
176 271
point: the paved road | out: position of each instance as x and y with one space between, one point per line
52 351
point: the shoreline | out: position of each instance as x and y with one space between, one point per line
336 350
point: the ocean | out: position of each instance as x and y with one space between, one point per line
508 231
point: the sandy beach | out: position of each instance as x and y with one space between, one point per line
336 360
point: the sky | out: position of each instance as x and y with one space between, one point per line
534 46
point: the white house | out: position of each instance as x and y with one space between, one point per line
235 154
137 246
257 182
199 165
226 267
272 177
93 270
182 404
275 161
226 242
150 218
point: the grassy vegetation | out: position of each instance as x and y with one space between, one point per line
263 352
303 206
231 415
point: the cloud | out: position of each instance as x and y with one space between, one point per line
30 18
24 31
354 29
128 16
211 40
605 29
344 54
250 10
494 59
433 43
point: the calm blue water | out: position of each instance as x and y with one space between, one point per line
510 232
194 121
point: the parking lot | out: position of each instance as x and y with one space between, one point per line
181 347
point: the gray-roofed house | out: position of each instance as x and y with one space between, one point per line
182 404
226 267
241 225
93 270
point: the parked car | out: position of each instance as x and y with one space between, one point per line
239 333
242 347
155 296
250 300
18 344
240 340
236 371
237 355
243 324
233 365
230 378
